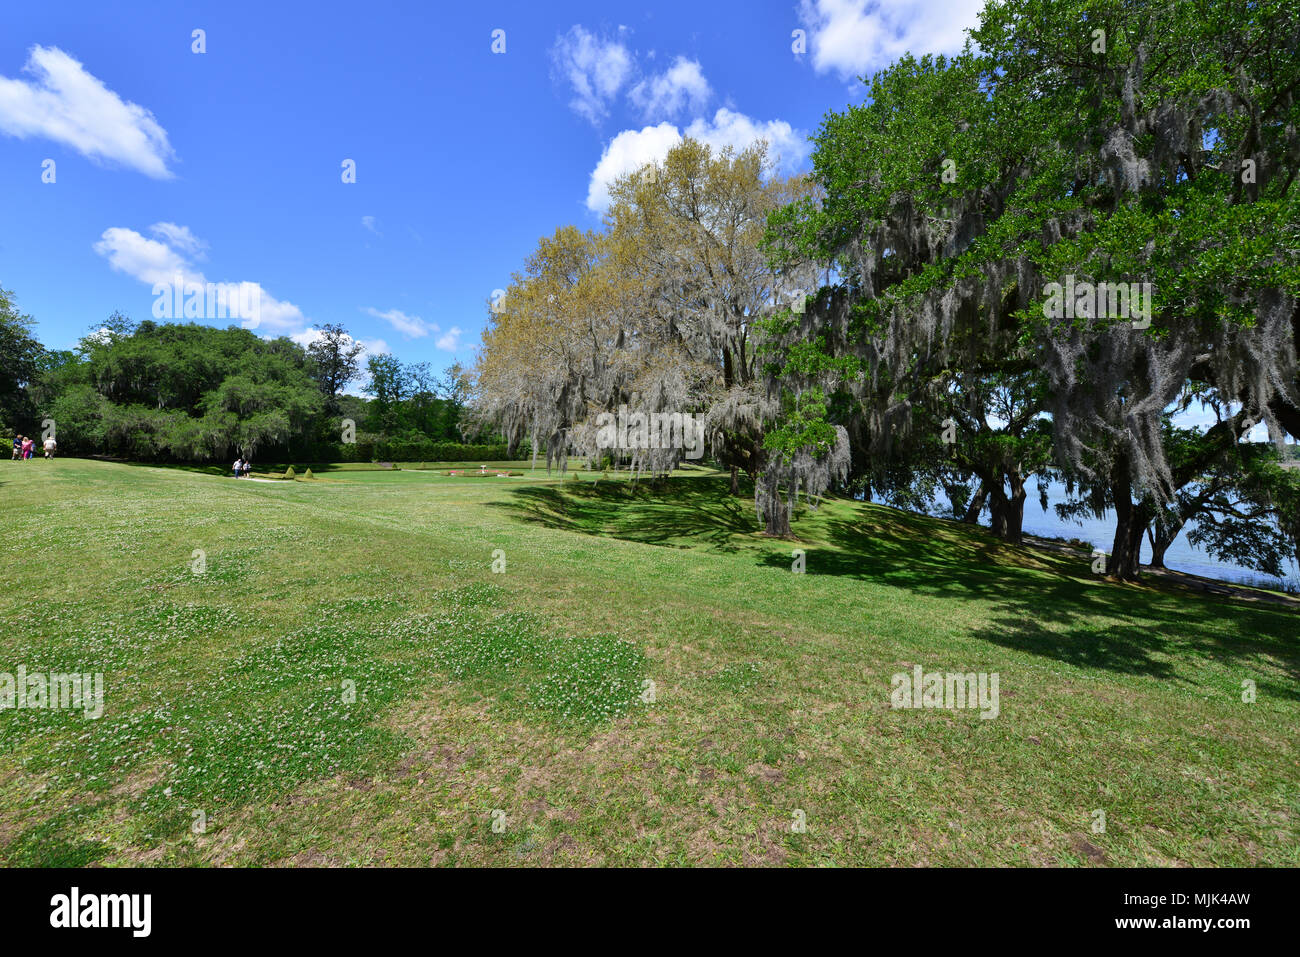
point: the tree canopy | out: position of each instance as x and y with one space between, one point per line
1077 145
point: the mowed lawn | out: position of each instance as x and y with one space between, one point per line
340 678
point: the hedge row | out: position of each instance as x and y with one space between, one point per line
364 450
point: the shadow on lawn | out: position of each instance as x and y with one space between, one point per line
1039 601
689 512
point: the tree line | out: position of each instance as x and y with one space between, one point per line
154 391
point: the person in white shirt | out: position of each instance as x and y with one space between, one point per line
239 464
50 446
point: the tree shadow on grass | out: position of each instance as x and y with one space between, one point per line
1246 640
681 515
1041 602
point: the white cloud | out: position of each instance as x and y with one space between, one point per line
279 315
64 103
147 260
369 223
595 68
665 95
307 337
153 262
450 341
628 151
632 150
179 237
415 327
787 147
102 334
854 37
412 326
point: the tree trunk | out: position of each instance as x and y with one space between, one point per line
767 497
1007 514
999 511
776 519
1015 509
1130 523
1161 536
976 506
1126 550
735 480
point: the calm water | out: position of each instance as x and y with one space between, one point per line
1101 534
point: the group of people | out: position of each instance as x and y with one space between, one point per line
24 445
244 465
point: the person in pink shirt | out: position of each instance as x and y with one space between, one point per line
27 448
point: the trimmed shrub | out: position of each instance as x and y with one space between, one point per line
288 473
308 475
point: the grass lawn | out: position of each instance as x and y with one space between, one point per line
345 680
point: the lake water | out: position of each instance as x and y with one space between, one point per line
1101 533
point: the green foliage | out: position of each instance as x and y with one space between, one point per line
415 450
952 199
289 473
803 426
188 392
334 356
390 385
175 391
21 357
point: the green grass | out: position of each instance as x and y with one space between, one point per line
645 682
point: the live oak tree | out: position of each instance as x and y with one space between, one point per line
687 234
993 430
654 313
1080 142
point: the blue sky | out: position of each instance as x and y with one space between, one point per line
226 165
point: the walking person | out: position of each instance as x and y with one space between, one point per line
248 467
50 446
239 464
18 446
27 448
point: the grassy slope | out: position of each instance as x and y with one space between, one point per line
771 689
